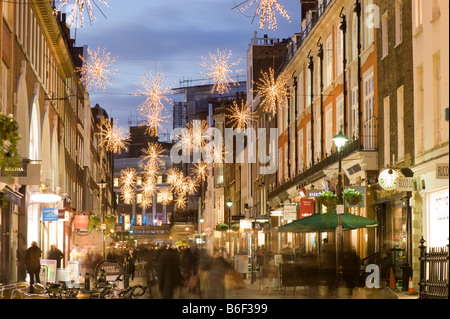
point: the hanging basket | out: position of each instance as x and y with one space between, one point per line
352 196
329 199
353 200
330 203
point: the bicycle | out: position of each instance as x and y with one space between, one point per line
133 292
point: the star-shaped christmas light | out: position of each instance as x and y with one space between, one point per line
113 137
200 171
95 71
165 196
219 68
272 91
78 9
266 9
241 116
155 90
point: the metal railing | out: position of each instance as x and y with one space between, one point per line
434 269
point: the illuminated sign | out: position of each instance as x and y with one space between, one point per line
50 214
388 179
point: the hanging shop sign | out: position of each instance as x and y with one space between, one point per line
313 192
290 212
388 179
50 214
81 221
407 184
306 207
442 171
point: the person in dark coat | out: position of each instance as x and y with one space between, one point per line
131 259
55 254
169 273
33 263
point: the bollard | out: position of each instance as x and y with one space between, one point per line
87 281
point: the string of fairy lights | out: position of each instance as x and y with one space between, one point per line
96 73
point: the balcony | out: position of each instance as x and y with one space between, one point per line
367 143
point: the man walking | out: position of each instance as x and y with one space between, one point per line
33 263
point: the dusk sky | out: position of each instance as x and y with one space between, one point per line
170 36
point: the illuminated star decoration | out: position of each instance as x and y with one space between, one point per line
266 8
218 70
272 91
241 116
165 196
113 137
155 89
127 181
78 9
95 73
200 171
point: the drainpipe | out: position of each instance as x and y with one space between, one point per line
311 67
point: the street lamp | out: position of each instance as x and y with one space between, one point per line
102 186
229 204
339 141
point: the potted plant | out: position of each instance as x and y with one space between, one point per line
94 222
329 199
235 227
222 227
352 196
110 221
9 140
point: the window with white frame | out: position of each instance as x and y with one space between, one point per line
328 61
384 34
418 16
300 151
339 51
435 10
308 88
398 22
355 37
308 145
301 94
400 125
371 22
286 162
280 161
329 129
369 119
4 100
317 132
387 131
339 115
355 113
437 100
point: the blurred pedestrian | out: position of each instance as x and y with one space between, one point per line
288 253
55 254
169 273
386 265
216 277
33 264
189 269
131 259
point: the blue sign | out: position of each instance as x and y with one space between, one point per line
50 214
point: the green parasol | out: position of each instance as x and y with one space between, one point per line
327 222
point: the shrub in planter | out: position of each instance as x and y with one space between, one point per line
235 227
352 196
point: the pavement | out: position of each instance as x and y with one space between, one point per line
270 290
